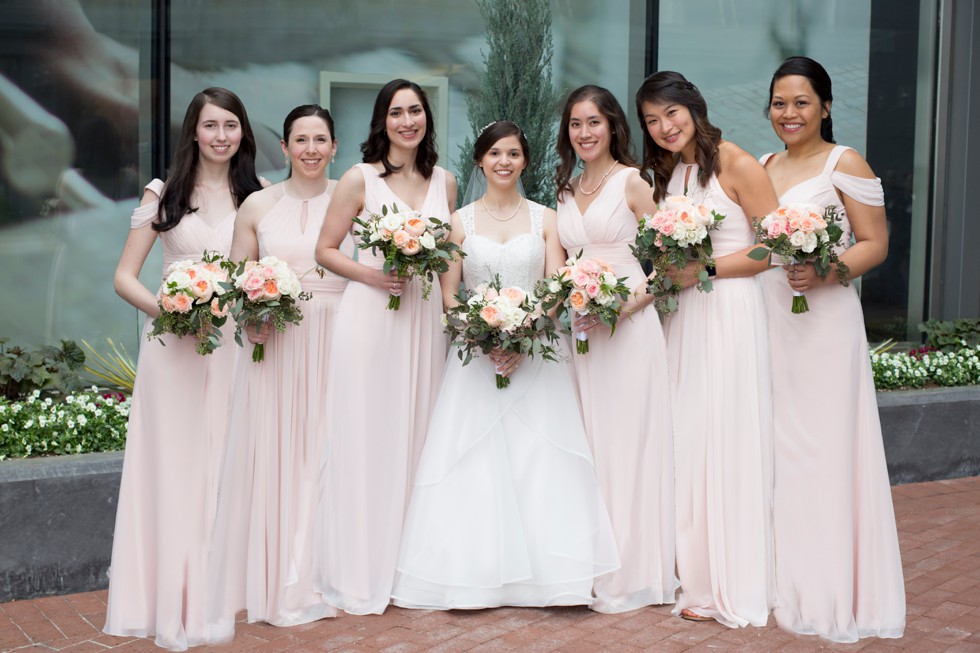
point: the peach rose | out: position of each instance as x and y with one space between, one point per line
491 315
182 303
577 300
202 288
806 224
271 289
217 310
516 296
415 226
191 272
411 248
167 303
401 238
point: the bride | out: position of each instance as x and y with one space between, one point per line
505 509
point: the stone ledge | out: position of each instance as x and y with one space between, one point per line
58 514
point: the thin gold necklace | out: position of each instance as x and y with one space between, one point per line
490 213
599 185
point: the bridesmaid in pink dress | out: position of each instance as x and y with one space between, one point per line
181 400
838 565
623 379
385 366
719 365
262 553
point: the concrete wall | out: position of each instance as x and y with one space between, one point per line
57 514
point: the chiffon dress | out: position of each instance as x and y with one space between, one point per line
174 447
506 509
262 552
838 565
625 398
719 366
382 381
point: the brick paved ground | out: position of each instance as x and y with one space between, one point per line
939 527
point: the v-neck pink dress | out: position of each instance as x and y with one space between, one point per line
838 564
626 405
384 375
719 364
262 552
174 448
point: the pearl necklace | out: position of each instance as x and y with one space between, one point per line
483 200
599 185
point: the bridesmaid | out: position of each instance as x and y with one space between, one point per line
838 566
262 553
719 365
386 365
181 400
623 379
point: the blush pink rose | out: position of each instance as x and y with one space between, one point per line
667 229
217 310
182 303
255 295
401 238
516 296
491 315
167 303
253 281
592 289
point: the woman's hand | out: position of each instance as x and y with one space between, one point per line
585 323
803 277
389 283
506 362
258 334
684 278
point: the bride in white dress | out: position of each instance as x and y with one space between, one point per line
505 509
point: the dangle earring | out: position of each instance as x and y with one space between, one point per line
286 163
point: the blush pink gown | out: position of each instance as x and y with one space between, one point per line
838 565
384 375
625 398
719 366
174 448
262 553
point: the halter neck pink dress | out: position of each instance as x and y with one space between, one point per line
719 366
383 377
625 397
263 549
838 564
174 448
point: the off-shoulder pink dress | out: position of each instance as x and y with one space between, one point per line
262 553
174 448
719 367
838 565
625 398
384 374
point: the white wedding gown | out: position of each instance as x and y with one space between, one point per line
505 509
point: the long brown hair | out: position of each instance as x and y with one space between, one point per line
176 200
375 148
620 146
666 88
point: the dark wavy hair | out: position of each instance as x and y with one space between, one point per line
375 148
667 88
819 80
620 146
176 200
304 111
493 133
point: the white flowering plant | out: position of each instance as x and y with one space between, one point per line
81 422
926 366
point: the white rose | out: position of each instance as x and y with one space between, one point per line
554 286
392 222
809 242
604 298
796 239
427 240
179 278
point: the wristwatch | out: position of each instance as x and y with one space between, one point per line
710 269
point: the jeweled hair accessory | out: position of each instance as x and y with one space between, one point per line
489 124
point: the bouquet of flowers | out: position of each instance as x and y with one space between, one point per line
801 233
266 291
194 301
675 234
490 317
585 286
412 245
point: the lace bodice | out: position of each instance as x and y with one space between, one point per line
519 261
